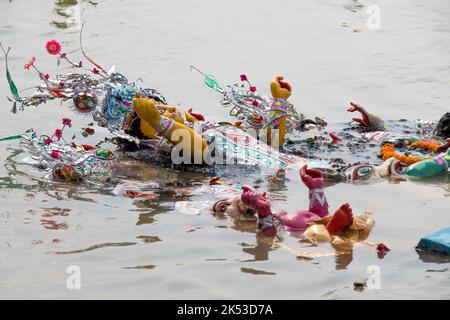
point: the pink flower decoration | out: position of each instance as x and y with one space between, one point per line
46 76
95 71
80 64
55 154
243 77
67 122
253 89
255 103
53 47
58 134
30 63
48 141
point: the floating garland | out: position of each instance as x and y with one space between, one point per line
388 151
426 145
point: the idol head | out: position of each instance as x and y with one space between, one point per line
361 172
391 168
233 207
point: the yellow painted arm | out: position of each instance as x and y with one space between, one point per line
147 112
280 89
147 130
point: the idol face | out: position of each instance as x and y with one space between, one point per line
361 172
232 207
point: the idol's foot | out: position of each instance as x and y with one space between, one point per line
341 220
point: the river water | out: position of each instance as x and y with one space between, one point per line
129 248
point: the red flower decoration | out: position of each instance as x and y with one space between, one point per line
58 134
67 122
255 103
95 71
243 77
46 76
30 63
73 144
53 47
253 89
48 141
55 154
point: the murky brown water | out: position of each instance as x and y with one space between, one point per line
145 248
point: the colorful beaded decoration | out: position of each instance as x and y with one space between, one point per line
164 126
271 118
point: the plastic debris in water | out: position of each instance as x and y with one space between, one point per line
438 242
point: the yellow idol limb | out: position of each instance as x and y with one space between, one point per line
193 117
280 90
167 108
173 131
175 116
190 117
147 130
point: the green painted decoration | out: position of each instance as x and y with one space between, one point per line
210 82
12 85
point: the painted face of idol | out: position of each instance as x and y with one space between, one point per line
232 207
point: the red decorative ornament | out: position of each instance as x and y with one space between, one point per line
48 141
334 138
55 154
85 102
382 249
67 122
58 134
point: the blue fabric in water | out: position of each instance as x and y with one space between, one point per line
438 242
